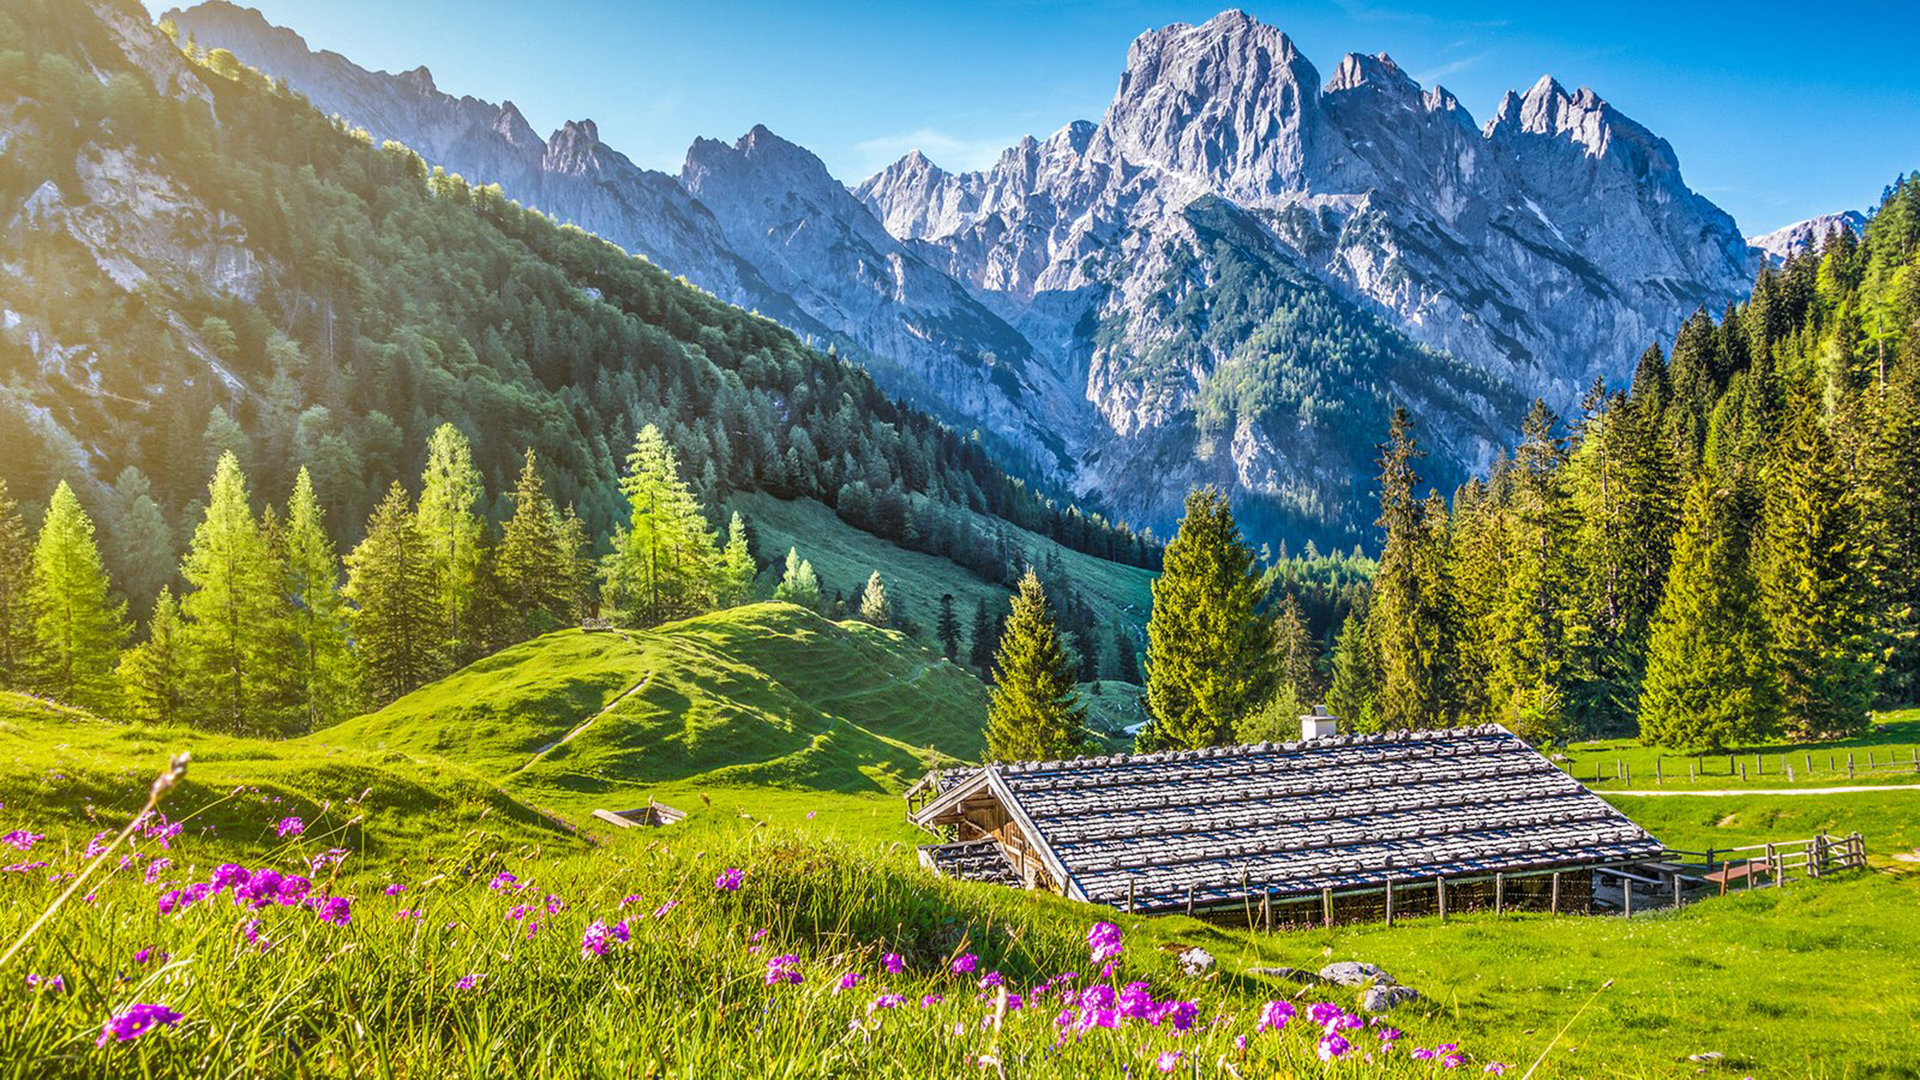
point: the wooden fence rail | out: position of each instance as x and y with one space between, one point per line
1790 767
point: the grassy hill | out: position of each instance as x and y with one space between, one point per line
843 556
767 695
66 770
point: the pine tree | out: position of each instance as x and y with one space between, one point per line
1529 671
1708 681
984 640
16 587
1817 587
1034 713
663 562
450 489
233 611
1410 621
1207 651
874 608
78 626
533 566
153 674
322 676
947 628
798 585
737 569
390 579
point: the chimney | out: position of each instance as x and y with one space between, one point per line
1318 724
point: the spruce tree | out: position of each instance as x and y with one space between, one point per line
1126 657
233 610
1817 587
153 674
1034 713
1410 619
533 566
984 641
323 679
799 584
737 569
450 490
947 628
397 622
1354 694
16 587
874 607
1295 654
1529 673
1709 683
78 625
1207 649
663 561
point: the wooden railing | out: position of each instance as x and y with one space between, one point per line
1790 767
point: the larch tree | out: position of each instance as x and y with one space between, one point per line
78 625
664 559
324 681
16 586
1208 661
1034 712
874 607
153 676
737 569
396 622
233 609
450 492
798 584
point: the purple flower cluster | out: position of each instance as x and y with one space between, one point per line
135 1021
784 968
289 827
1104 940
600 936
21 839
730 879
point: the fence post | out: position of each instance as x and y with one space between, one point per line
1773 864
1626 896
1691 775
1677 897
1326 907
1554 904
1129 895
1440 890
1849 764
1266 907
1789 774
1189 900
1389 901
1499 892
1809 764
1246 898
1743 771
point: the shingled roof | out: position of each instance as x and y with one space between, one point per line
1338 813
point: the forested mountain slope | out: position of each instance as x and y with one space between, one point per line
196 261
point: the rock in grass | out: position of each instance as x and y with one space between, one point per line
1354 974
1196 962
1380 997
1290 974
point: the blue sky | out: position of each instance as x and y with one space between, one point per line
1778 112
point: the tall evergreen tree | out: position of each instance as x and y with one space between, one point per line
1410 621
153 674
1034 713
985 639
233 610
874 607
16 587
322 676
1709 683
1207 650
78 625
799 584
535 579
1354 694
397 622
1295 654
1126 657
737 569
947 628
1528 677
663 561
1817 587
450 491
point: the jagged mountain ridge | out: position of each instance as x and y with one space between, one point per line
1784 243
1062 300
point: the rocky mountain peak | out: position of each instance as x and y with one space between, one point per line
574 149
420 79
1358 71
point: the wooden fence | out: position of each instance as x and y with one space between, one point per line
1804 765
1815 857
